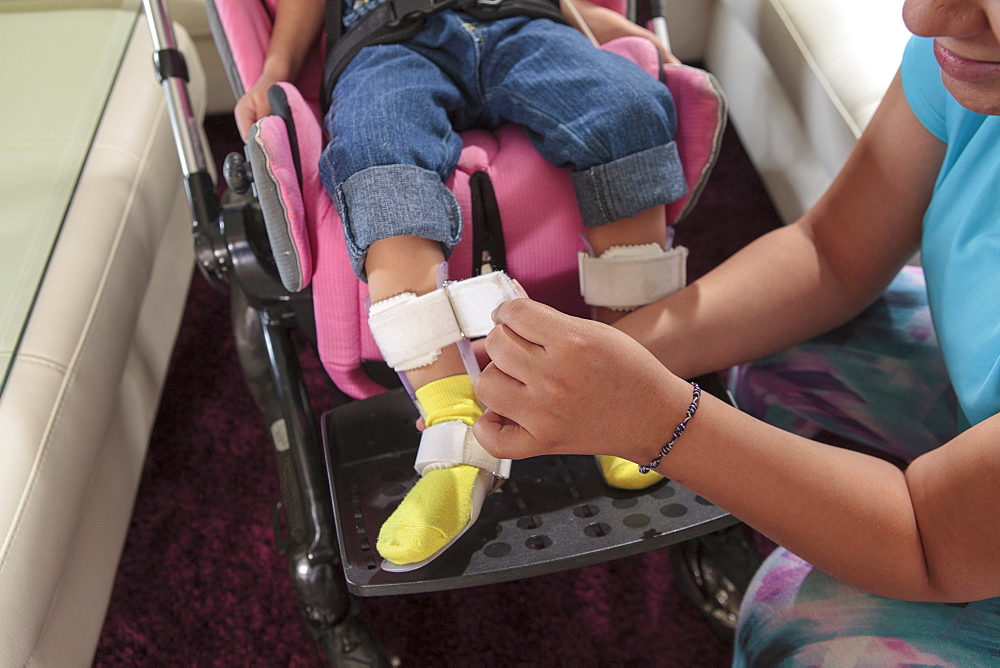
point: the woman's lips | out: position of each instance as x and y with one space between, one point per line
964 69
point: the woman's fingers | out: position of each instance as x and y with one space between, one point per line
530 320
499 391
510 352
501 437
568 385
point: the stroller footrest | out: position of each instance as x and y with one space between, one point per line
553 514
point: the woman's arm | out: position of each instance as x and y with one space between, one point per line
297 24
807 277
561 384
558 384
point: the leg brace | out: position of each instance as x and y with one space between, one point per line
624 278
411 331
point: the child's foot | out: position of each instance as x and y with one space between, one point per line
442 503
623 474
435 511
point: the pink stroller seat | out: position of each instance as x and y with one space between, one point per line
500 178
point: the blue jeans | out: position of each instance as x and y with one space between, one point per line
398 108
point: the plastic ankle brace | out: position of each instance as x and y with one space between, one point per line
411 331
627 277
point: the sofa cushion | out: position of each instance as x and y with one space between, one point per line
77 407
835 60
803 79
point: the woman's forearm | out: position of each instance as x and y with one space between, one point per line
558 384
770 295
929 533
812 275
847 513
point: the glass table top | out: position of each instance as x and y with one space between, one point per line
58 61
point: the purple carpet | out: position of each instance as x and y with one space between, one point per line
200 582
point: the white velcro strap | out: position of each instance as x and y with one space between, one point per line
410 331
621 279
475 298
452 443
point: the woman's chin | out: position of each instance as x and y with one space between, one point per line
982 97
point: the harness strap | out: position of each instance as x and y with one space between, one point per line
398 20
334 23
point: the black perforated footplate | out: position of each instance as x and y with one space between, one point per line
554 513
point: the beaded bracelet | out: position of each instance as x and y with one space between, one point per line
665 450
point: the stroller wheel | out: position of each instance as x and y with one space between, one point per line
714 571
350 645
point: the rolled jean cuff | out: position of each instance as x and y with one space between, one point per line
627 186
396 200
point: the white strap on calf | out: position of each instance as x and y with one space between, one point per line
410 331
627 277
451 443
474 300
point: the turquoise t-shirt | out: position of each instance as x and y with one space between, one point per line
961 234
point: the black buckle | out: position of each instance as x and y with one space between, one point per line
404 10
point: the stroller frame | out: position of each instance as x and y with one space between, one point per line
554 514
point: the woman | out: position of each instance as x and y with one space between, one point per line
925 176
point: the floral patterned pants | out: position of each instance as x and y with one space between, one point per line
879 381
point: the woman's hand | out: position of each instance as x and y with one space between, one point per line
559 384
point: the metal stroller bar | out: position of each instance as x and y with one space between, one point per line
171 70
231 250
659 22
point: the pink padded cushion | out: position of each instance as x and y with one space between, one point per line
620 6
701 114
639 50
280 199
300 207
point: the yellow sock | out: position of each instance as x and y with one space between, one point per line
440 504
623 474
451 398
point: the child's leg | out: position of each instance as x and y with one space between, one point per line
614 125
392 147
649 226
409 264
646 231
439 506
419 327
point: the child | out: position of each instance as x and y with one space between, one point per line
394 119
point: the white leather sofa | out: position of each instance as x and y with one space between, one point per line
803 78
77 407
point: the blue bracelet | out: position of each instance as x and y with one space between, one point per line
665 450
